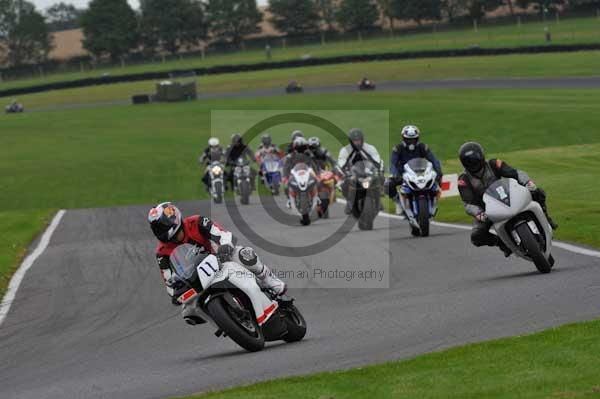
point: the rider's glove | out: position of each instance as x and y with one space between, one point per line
531 185
482 217
175 301
174 282
225 252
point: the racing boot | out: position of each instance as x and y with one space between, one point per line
504 248
266 279
348 207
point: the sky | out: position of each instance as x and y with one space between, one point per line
43 4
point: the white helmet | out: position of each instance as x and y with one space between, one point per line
410 137
213 142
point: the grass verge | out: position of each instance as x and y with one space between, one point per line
556 363
571 31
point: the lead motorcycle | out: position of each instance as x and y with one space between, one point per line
520 222
420 182
365 193
303 191
242 180
227 295
216 173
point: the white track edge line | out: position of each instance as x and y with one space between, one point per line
17 278
559 244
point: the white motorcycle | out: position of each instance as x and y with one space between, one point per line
216 173
520 222
227 295
303 191
420 182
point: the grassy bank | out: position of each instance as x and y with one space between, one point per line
557 363
541 65
580 30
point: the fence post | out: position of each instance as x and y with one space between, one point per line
322 38
202 55
557 18
283 43
359 36
519 22
475 25
1 78
41 72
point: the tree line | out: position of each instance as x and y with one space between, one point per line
113 29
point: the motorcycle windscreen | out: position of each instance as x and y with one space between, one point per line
363 169
184 260
418 165
271 166
500 191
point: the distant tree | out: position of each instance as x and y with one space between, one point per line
541 5
454 8
326 10
172 24
387 10
24 35
418 10
294 17
478 8
62 16
110 28
233 19
357 15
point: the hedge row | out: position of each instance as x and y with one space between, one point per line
219 69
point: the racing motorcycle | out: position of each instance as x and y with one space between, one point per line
520 222
14 108
420 182
227 296
242 180
271 167
217 183
303 192
364 191
366 84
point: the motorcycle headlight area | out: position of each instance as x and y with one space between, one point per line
216 170
365 182
246 169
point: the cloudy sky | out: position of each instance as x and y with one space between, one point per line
43 4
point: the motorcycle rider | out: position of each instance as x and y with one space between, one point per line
238 149
321 154
300 154
410 148
214 152
266 146
358 150
478 175
295 135
172 229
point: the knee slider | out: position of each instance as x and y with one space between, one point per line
248 257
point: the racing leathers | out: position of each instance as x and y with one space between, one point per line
472 186
209 236
295 158
348 156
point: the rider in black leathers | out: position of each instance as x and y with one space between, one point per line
478 175
237 149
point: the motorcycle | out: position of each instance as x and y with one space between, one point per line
227 295
520 222
364 192
14 108
366 84
303 193
294 87
420 182
327 183
271 167
242 178
217 184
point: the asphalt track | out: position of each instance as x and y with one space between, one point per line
592 82
92 320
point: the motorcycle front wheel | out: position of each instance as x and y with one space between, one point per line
533 249
296 325
423 217
243 330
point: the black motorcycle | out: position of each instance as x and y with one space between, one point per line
364 190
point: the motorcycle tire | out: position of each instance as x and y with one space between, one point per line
423 217
369 211
305 219
252 342
296 325
533 249
244 192
218 196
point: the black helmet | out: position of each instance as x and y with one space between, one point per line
236 139
300 144
356 137
472 156
165 221
265 139
296 134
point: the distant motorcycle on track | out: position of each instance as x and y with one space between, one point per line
242 180
216 172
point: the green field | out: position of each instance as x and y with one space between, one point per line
130 155
581 30
557 363
542 65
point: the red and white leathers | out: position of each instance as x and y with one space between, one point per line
209 235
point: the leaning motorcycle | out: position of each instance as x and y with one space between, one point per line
271 167
227 295
520 222
242 180
217 182
420 205
364 190
303 192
